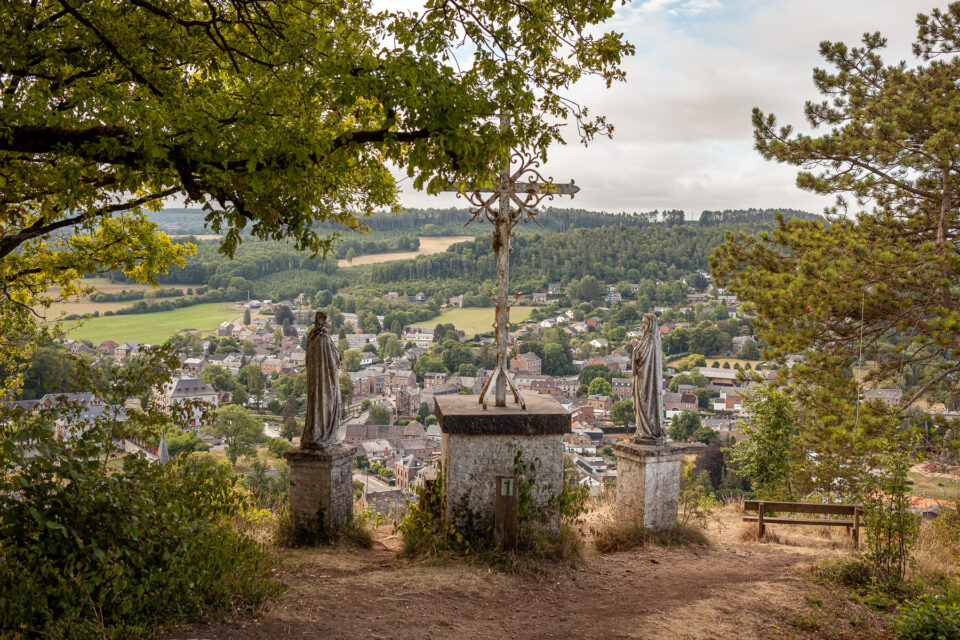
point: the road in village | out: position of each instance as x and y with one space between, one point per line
372 485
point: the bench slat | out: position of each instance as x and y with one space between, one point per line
802 507
822 523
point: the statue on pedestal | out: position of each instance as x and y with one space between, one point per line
648 384
323 388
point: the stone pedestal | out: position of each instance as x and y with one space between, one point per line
321 490
648 483
478 445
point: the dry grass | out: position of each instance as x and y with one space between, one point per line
610 532
749 532
357 534
727 590
245 464
428 245
573 545
797 536
937 552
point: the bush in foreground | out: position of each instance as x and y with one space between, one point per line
86 552
931 617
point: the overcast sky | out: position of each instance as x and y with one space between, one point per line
683 138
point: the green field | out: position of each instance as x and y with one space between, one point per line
155 328
474 320
730 361
934 486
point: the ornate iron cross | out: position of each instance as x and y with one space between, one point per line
512 199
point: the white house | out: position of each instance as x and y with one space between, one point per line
199 395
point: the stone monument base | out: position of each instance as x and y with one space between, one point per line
321 490
478 445
648 483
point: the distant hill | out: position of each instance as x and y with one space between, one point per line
180 221
451 221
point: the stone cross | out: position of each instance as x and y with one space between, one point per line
511 199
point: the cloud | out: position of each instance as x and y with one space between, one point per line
680 7
683 137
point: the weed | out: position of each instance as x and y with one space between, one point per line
806 622
814 601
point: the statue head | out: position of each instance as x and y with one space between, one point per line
320 320
650 322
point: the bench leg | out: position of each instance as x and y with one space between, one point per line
856 528
761 527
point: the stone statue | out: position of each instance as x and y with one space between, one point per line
648 384
323 388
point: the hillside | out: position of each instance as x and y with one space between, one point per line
570 244
731 589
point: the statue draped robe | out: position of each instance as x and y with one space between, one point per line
323 389
648 383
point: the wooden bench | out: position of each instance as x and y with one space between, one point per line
763 507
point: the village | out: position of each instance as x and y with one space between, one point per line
388 409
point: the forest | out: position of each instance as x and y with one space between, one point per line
609 253
570 245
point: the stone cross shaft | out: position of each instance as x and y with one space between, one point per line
511 199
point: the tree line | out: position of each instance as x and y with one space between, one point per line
609 253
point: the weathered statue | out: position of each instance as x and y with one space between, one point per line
323 387
648 383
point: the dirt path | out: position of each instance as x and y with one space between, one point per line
731 590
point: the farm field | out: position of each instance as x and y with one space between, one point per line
103 285
155 328
474 320
428 245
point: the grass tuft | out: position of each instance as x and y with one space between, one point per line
614 534
356 534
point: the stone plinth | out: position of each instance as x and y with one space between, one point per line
321 489
480 444
648 483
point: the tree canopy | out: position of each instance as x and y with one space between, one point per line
881 282
272 115
238 429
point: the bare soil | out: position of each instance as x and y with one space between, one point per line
732 589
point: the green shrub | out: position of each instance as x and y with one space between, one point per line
85 552
849 572
931 617
278 446
423 528
891 529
